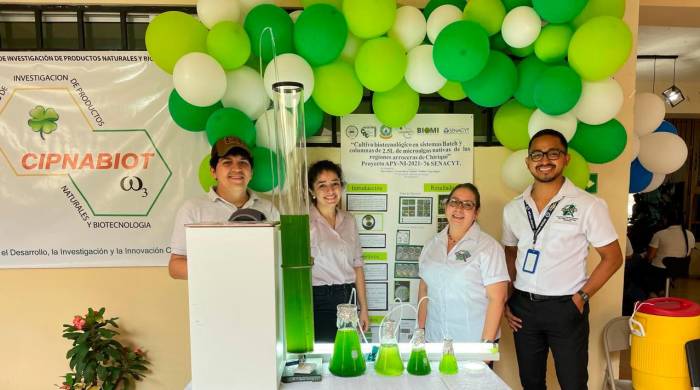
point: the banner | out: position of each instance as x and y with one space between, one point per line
396 182
92 167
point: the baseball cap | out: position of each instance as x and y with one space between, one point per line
225 146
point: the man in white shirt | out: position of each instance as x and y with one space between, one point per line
546 233
232 166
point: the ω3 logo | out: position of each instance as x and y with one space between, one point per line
43 120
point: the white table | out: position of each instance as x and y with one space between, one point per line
472 375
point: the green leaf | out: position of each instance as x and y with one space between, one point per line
51 114
83 338
37 112
36 124
49 127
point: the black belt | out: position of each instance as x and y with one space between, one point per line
332 288
540 298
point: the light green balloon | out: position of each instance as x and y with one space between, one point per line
337 91
495 84
381 64
173 34
553 42
397 106
529 70
453 91
228 43
308 3
577 170
369 18
600 47
488 14
558 11
510 125
595 8
206 179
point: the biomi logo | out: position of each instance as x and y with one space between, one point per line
428 130
116 172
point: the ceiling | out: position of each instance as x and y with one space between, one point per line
681 41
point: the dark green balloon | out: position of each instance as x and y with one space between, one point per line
188 116
600 144
559 11
265 175
269 15
529 70
320 34
497 43
461 50
313 118
495 84
510 4
432 4
230 121
557 90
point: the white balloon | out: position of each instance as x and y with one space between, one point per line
247 5
662 152
600 101
440 18
515 173
352 45
649 112
409 27
521 27
211 12
295 15
266 134
199 79
290 67
656 181
245 90
564 123
421 74
634 145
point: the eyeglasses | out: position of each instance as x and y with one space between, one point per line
462 204
552 154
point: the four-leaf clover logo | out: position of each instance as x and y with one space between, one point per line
43 120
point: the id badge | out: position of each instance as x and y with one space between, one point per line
530 263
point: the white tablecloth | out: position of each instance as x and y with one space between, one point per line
472 375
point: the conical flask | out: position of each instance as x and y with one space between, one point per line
448 363
347 359
389 359
418 363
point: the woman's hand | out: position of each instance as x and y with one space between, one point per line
514 322
364 319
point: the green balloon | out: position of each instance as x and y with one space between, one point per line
510 4
396 107
206 180
320 34
461 50
173 34
495 84
268 15
381 64
369 18
230 121
553 42
600 47
557 90
432 4
522 51
577 170
497 43
188 116
453 91
529 70
600 144
337 90
595 8
228 43
510 125
265 175
488 14
335 3
313 118
558 11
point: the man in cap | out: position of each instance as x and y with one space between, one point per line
231 165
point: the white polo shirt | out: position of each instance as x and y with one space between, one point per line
213 209
670 243
457 283
578 220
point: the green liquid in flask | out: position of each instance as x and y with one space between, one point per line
347 359
448 364
418 363
389 361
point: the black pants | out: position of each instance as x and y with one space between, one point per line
555 324
326 301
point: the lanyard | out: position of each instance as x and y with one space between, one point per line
536 230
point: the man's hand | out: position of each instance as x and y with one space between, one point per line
514 322
578 301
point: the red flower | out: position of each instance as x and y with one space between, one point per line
138 351
65 386
78 322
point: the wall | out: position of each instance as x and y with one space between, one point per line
153 308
